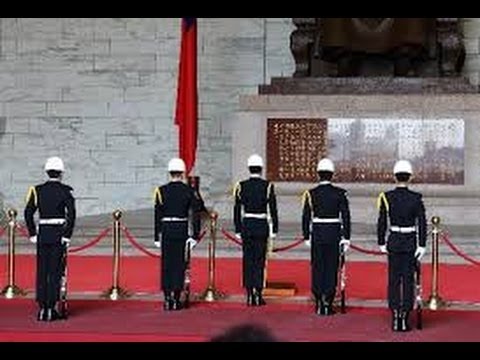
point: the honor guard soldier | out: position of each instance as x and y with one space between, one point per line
326 230
405 212
256 197
173 204
56 206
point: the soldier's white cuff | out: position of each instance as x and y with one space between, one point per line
65 241
157 244
33 239
238 236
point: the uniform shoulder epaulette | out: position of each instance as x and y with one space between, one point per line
157 195
382 199
307 197
237 189
32 192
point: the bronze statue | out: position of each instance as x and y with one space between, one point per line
346 47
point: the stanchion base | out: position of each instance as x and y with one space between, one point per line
435 303
116 293
211 295
279 289
12 291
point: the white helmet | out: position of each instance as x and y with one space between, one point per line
326 165
176 165
54 163
403 166
255 161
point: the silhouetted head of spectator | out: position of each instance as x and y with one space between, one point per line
245 333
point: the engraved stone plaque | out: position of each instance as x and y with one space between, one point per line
294 148
365 150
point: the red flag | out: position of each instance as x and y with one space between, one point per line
186 115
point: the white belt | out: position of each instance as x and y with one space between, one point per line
325 221
52 221
255 216
403 230
174 219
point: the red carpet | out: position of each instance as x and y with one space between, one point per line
146 321
141 274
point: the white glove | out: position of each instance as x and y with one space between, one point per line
308 243
345 244
192 243
65 241
383 249
238 236
273 236
157 244
419 253
33 239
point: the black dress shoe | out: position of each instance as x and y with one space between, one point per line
404 325
51 314
168 303
249 299
42 314
395 320
329 311
177 305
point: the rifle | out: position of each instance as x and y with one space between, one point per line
343 281
63 306
187 281
418 293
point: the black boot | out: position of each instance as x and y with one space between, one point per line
330 310
168 303
395 320
319 306
250 297
257 298
261 301
42 313
51 314
404 325
177 305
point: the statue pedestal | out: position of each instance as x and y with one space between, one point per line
456 204
367 86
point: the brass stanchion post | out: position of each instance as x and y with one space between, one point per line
435 301
11 290
116 292
211 293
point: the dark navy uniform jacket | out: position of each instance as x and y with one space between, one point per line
326 201
402 208
53 200
180 201
255 195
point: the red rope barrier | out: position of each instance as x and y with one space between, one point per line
147 252
297 242
230 237
137 245
2 231
366 251
91 243
457 251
